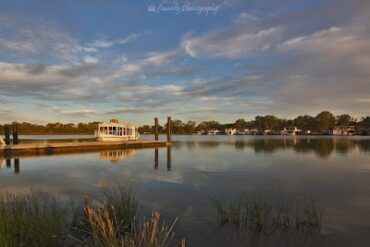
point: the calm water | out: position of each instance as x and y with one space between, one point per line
334 172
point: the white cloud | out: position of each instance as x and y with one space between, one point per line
239 43
89 59
35 38
75 112
139 68
105 43
15 75
245 17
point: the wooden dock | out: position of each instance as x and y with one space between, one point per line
35 149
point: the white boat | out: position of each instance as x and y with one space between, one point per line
115 131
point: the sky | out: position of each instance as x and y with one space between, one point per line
92 60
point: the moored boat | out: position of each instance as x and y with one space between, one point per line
115 131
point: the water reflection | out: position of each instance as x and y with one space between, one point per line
321 146
16 166
335 171
168 158
114 156
8 163
156 158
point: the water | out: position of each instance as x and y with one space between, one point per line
333 171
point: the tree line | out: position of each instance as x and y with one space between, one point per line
54 128
320 123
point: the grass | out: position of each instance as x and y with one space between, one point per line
258 214
31 219
35 219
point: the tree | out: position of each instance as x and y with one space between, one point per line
240 124
267 122
363 127
209 125
145 129
344 119
305 122
177 126
190 127
325 121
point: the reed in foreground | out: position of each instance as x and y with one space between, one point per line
259 214
105 232
37 219
31 219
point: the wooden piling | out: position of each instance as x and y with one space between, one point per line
7 134
15 134
156 129
169 132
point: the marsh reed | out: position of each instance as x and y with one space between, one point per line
261 214
37 219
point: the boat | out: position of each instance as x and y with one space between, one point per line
116 131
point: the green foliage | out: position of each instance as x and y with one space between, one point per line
240 124
325 121
267 122
209 125
56 128
344 120
305 122
363 127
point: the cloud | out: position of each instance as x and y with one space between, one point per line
33 38
234 44
258 63
245 17
105 43
138 68
333 70
15 75
4 111
89 59
76 112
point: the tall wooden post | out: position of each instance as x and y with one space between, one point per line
156 129
7 134
15 133
169 127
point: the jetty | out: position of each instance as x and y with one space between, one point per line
16 149
74 147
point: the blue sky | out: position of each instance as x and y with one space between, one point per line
78 61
